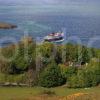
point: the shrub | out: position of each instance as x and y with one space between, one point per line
73 82
87 77
51 76
67 72
81 80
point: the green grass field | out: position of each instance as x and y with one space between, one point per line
18 93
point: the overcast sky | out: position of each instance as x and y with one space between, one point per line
86 7
48 2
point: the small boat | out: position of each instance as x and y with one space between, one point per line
54 37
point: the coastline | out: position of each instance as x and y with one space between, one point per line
4 25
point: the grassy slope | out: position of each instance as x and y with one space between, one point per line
22 93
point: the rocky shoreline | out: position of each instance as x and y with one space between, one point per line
7 26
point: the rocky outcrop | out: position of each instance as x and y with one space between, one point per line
7 26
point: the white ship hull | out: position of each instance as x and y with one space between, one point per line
54 37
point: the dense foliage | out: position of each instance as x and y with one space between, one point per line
78 65
51 76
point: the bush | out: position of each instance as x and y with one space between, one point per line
67 72
87 77
51 76
73 82
81 80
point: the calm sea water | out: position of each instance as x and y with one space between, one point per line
39 22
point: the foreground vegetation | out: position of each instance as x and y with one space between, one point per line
18 93
49 65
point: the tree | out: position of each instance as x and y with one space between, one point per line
85 55
51 76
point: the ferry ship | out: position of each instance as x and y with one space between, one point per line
54 37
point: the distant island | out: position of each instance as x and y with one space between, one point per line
7 26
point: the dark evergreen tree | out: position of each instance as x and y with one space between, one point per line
51 76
